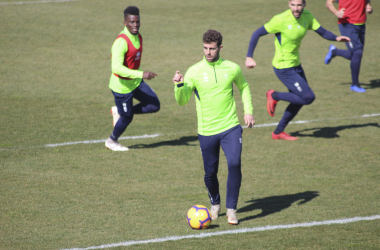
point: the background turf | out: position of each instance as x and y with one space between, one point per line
54 72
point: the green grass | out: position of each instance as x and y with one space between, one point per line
54 72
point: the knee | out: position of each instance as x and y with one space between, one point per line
309 97
155 107
234 165
210 174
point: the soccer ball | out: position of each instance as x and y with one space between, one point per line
198 217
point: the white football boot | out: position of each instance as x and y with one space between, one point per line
115 115
115 146
215 210
231 216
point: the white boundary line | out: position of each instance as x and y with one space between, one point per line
51 1
236 231
157 135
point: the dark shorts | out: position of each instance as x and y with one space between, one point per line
143 93
294 79
356 33
231 143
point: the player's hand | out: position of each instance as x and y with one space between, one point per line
340 13
344 39
178 77
368 9
249 120
149 75
250 63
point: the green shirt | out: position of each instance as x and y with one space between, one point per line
119 48
289 33
212 85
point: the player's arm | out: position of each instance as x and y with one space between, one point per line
246 98
119 48
369 9
249 62
182 90
330 6
328 35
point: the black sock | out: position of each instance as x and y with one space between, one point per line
275 96
277 131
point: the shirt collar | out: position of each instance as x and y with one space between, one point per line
213 63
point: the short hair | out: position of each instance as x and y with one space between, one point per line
131 10
212 36
303 1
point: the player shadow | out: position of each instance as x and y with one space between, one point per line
183 141
373 84
212 226
275 204
330 132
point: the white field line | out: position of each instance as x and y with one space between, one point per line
102 140
236 231
157 135
51 1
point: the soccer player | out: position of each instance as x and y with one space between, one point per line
351 16
127 81
289 28
212 80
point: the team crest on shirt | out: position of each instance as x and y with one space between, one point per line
138 56
290 27
205 77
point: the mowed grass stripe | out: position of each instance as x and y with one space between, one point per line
236 231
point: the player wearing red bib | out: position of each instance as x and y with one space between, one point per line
127 81
352 15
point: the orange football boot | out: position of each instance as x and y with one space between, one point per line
271 104
283 136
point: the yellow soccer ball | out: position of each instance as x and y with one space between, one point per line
198 217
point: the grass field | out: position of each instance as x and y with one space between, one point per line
57 193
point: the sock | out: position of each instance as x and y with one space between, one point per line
120 126
355 66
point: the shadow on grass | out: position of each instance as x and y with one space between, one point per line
373 84
331 132
183 141
275 204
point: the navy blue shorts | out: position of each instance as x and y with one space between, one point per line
231 143
356 33
294 79
143 93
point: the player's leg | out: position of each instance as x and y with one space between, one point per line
357 46
149 102
231 143
124 104
354 51
333 51
295 80
299 94
210 148
287 77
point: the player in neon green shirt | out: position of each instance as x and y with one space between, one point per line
289 28
218 125
126 82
